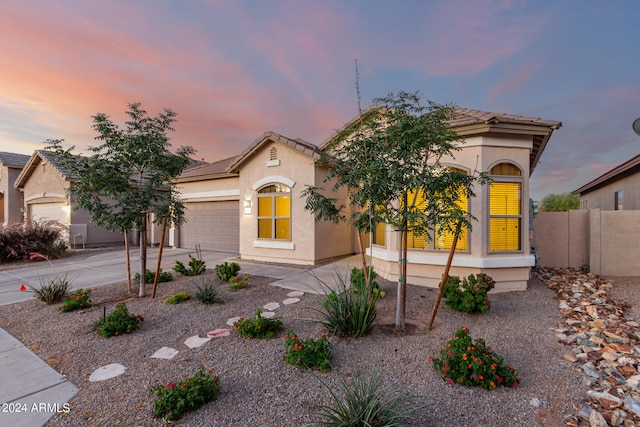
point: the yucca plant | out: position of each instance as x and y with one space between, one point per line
209 292
363 401
52 291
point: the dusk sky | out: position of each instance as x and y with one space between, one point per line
234 69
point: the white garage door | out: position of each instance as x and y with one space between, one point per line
212 225
49 211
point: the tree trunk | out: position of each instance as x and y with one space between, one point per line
445 275
365 269
155 280
143 253
126 250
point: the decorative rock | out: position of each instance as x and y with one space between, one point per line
632 405
290 301
295 294
106 372
271 306
268 314
597 420
536 403
195 341
589 369
570 358
233 320
219 333
165 353
606 400
607 355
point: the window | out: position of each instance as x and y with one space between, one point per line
274 212
505 208
442 241
379 237
619 200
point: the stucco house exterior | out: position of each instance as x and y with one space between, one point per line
263 186
11 165
44 185
617 189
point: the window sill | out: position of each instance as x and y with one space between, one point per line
273 244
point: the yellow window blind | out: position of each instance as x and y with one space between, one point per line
505 217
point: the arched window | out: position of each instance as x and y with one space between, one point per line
505 208
274 212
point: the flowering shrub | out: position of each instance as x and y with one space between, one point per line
469 296
236 283
77 301
473 364
308 354
119 322
224 272
177 298
259 326
174 399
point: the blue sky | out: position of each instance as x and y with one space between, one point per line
233 70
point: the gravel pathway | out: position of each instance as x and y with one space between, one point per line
259 389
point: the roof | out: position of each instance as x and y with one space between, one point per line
13 159
47 157
211 170
623 170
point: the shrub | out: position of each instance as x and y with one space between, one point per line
208 293
469 296
172 400
119 322
53 291
150 276
258 326
236 283
346 313
364 401
473 364
306 354
77 301
18 241
358 284
196 267
177 298
224 272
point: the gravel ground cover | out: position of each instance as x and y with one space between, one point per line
259 389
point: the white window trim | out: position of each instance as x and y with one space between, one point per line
273 244
273 179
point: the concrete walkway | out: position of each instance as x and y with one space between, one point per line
31 392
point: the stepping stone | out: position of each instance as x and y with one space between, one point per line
233 320
106 372
295 294
268 314
271 306
195 341
289 301
165 353
219 333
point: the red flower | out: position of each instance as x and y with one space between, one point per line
184 385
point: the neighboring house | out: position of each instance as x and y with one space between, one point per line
252 205
44 185
10 198
618 189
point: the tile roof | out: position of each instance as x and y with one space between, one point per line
465 116
623 170
216 168
14 159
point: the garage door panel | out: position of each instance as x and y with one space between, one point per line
212 225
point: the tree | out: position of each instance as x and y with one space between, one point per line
560 202
127 176
391 166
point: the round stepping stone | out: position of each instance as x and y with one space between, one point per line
219 333
271 306
233 320
165 353
295 294
195 341
106 372
268 314
289 301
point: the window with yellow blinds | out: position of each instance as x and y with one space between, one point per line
379 237
505 216
274 212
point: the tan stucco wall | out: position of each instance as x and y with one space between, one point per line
10 212
562 238
210 190
299 168
604 199
45 183
510 271
619 249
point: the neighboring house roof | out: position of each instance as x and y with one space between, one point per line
623 170
13 159
211 170
33 162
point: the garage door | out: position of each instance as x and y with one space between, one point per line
212 225
49 211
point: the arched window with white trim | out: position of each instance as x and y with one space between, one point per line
274 212
505 208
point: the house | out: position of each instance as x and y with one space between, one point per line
44 185
252 204
616 189
10 198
